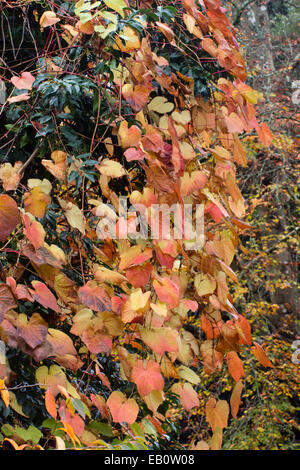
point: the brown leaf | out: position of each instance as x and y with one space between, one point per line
7 300
95 297
34 331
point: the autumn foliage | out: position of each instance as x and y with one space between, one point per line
124 98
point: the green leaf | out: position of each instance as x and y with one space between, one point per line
81 407
7 430
101 428
32 434
149 428
49 423
136 428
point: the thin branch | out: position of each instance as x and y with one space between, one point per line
23 168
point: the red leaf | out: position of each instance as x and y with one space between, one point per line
139 276
99 402
96 341
44 296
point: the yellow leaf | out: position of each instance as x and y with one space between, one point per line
204 284
188 374
48 18
131 38
13 403
111 168
116 5
10 176
182 117
160 105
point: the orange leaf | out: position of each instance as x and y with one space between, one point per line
235 366
134 257
50 403
34 331
69 430
139 276
58 165
192 182
4 392
264 134
177 157
167 291
261 356
136 96
235 399
122 410
217 413
147 377
188 397
36 202
85 28
244 330
99 402
130 137
210 46
9 216
160 340
132 41
34 231
61 343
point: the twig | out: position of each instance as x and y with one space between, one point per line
23 168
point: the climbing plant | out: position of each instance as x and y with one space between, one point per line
111 104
